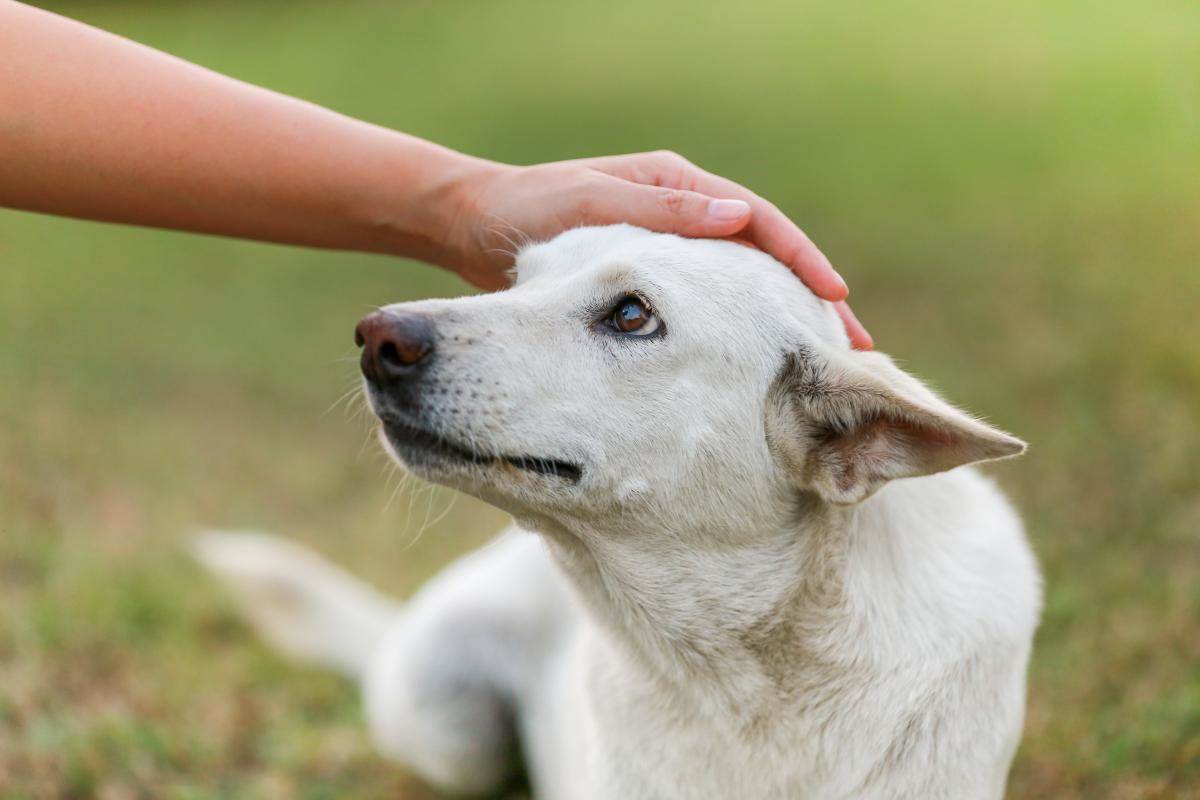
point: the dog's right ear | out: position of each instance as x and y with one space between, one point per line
845 423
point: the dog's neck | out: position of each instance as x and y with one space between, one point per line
723 615
767 614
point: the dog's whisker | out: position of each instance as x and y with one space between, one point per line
345 397
397 474
429 491
505 230
450 502
509 254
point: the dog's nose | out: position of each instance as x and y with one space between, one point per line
394 345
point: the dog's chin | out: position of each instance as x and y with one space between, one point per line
439 459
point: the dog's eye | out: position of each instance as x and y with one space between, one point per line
634 317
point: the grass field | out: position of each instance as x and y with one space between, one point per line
1012 188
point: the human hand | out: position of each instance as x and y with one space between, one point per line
214 155
500 204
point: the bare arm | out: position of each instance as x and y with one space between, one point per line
96 126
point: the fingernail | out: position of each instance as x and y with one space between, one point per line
841 280
728 210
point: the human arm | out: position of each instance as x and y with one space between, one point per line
95 126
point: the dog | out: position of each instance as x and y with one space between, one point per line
748 561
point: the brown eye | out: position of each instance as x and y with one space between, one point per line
634 317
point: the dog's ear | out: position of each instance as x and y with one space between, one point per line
846 423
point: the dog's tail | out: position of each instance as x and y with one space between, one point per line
300 603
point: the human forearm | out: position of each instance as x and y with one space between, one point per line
96 126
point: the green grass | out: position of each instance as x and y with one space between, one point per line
1012 188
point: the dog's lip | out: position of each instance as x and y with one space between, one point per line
405 433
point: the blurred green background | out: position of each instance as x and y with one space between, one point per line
1012 189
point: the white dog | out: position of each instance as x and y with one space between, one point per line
759 570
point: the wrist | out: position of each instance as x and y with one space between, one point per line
458 197
427 203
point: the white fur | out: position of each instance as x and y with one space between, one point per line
737 599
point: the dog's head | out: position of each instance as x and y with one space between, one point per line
690 382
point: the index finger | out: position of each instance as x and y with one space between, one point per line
773 232
777 235
859 338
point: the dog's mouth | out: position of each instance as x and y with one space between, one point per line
411 440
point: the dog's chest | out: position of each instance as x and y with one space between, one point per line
650 744
666 759
642 741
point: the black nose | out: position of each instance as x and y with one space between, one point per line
394 345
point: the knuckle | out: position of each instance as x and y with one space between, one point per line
597 182
671 159
673 201
585 206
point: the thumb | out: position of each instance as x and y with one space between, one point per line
667 210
